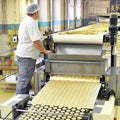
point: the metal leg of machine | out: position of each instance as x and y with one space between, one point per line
8 108
39 79
113 75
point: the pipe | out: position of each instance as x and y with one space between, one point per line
6 51
8 76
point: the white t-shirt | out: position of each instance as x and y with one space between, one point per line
28 32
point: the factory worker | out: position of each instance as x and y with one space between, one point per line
28 48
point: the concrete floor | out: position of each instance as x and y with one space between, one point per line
5 94
117 112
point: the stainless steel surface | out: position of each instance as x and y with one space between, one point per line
38 79
78 49
113 71
77 58
10 105
113 74
74 57
76 67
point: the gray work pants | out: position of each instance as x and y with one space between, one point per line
26 69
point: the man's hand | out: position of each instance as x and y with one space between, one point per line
40 46
47 52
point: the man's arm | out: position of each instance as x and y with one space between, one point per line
38 44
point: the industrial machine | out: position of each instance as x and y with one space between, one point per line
76 87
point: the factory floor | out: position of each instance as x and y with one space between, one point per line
6 91
117 112
5 94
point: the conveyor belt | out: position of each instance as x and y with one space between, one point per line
38 112
75 78
78 93
65 97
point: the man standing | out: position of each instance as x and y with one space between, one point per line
28 48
